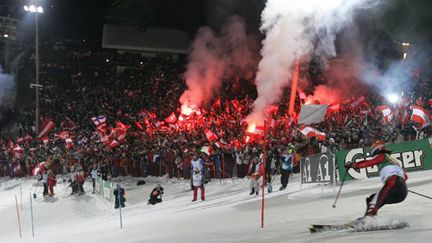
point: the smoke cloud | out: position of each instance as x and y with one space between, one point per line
216 57
7 89
295 29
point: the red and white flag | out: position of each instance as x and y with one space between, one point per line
18 152
70 124
113 144
158 124
386 111
358 102
210 135
69 143
121 137
20 140
420 115
39 167
271 109
46 127
302 95
334 107
45 140
217 104
309 131
237 105
259 130
171 118
272 123
27 138
62 135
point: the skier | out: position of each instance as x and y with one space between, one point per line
287 159
392 175
156 195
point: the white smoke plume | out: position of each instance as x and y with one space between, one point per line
7 90
293 29
215 57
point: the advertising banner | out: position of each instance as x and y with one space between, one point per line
317 168
413 155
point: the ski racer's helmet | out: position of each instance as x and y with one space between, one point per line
377 146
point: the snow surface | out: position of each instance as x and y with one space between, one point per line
229 213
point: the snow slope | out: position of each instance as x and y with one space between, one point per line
229 213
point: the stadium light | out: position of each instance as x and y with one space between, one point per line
393 98
33 9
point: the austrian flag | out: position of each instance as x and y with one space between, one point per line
46 127
309 132
386 111
420 115
210 135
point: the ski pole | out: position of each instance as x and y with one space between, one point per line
18 216
340 188
31 212
422 195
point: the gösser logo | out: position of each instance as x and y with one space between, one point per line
408 160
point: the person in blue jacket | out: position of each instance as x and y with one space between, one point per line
287 160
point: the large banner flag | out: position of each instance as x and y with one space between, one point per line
46 127
420 115
386 111
312 114
309 132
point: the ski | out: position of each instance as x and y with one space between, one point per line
315 228
350 227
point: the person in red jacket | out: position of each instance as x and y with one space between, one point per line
392 175
52 181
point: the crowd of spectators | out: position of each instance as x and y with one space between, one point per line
80 83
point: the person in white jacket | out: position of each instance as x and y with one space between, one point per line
197 177
94 173
255 172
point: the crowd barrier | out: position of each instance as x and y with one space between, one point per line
104 189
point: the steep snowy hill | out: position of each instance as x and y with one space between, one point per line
229 213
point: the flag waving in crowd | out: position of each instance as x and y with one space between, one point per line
420 115
387 112
309 132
